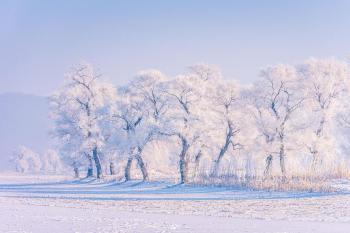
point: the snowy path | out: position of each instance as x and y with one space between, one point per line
56 206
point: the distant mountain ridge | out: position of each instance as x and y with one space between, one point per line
24 120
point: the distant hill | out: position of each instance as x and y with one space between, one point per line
24 120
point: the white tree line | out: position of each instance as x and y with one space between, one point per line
293 121
28 161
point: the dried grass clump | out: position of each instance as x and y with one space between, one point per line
272 183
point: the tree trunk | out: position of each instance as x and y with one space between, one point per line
127 169
142 166
112 168
197 161
224 148
97 163
90 171
314 153
268 165
282 153
314 161
314 149
282 160
218 160
183 163
76 171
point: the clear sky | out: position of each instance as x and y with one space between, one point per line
41 40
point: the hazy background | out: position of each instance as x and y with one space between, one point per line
40 40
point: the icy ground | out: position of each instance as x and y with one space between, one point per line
57 204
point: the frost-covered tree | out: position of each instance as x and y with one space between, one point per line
181 119
80 110
71 154
111 158
275 99
185 118
140 107
225 101
26 160
51 162
208 125
325 81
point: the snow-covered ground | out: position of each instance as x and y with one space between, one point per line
58 204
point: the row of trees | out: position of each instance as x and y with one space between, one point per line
294 120
28 161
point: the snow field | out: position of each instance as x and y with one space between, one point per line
63 205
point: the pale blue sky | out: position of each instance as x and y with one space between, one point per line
40 40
